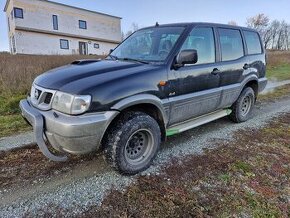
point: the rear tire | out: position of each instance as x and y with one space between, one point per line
132 144
242 108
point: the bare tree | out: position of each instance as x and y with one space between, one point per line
282 35
274 28
260 22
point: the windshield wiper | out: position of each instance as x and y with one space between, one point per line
136 60
113 57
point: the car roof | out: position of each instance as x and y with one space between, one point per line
191 24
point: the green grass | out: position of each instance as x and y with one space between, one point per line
280 72
12 124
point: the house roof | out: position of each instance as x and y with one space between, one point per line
52 2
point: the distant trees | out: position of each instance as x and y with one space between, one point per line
275 34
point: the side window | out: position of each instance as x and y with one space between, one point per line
253 42
231 44
202 40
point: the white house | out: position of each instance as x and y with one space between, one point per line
46 27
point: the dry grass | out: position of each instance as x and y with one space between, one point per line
276 58
18 71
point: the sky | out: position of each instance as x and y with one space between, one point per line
147 12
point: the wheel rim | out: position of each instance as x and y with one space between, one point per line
139 147
246 105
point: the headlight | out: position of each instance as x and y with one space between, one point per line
71 104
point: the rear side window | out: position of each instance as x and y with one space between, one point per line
202 40
231 44
253 42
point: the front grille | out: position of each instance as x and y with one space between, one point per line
37 93
41 98
48 98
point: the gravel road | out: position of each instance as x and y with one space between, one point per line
87 184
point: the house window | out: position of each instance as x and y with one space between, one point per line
82 24
55 22
64 44
96 45
8 24
18 13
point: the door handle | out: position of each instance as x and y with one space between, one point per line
215 71
246 66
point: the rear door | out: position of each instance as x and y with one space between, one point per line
197 85
233 64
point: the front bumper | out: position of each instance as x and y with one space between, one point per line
67 134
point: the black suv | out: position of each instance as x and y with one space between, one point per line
160 81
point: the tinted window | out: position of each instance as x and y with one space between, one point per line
82 24
201 39
18 13
253 42
55 22
64 44
231 44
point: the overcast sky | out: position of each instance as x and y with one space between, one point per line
147 12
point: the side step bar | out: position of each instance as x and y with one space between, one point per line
181 127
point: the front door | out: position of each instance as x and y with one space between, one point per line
197 86
83 48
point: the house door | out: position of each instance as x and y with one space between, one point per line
83 48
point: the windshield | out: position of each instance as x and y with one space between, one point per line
150 45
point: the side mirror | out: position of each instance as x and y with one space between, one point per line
188 56
111 50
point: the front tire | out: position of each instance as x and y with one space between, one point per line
132 143
242 108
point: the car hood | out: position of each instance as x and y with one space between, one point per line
78 78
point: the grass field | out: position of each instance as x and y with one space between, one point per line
18 71
278 67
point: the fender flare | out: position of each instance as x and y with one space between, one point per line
142 99
250 78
